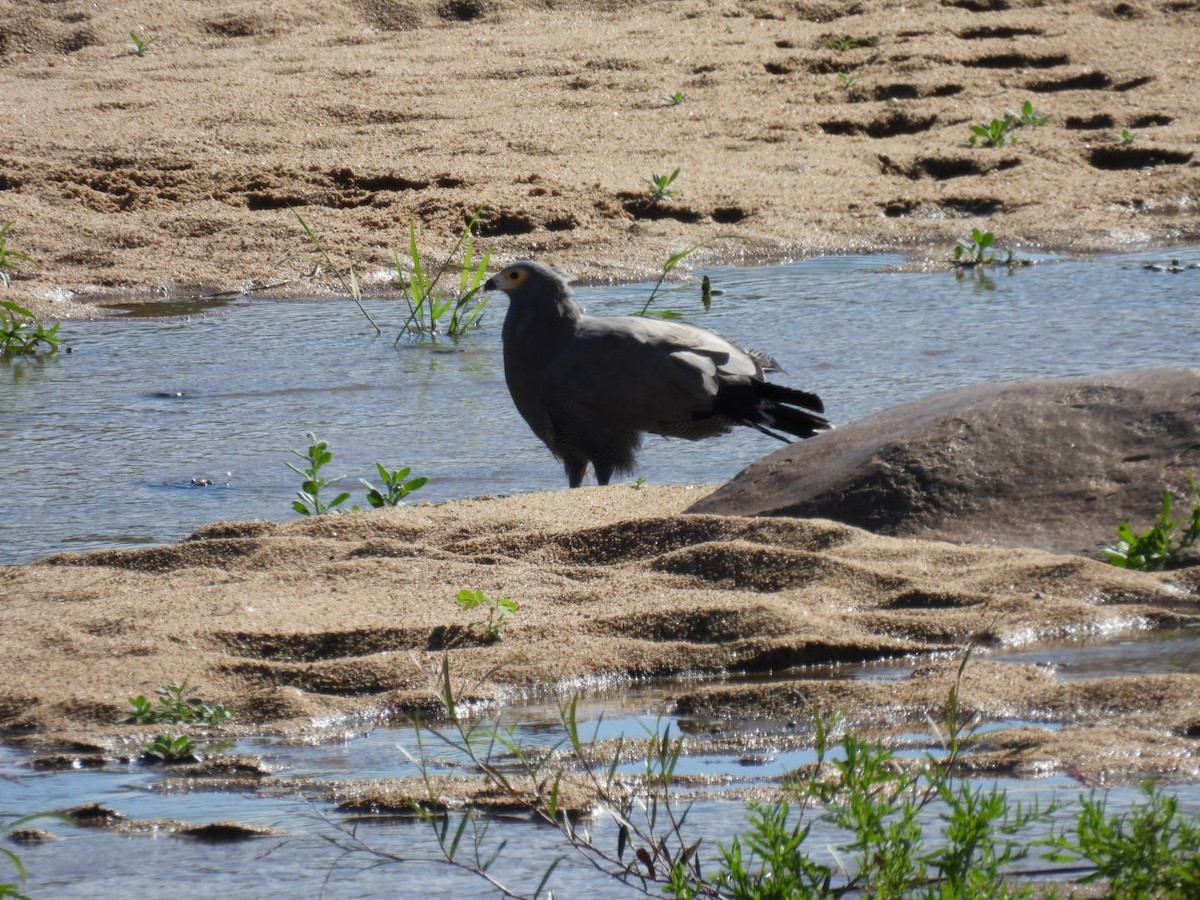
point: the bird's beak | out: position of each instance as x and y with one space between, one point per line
491 284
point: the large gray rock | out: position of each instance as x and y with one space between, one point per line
1050 463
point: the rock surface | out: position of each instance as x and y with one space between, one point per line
1048 463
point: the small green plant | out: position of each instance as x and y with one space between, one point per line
309 501
10 259
999 132
347 278
178 703
660 186
1127 136
847 81
1156 547
141 46
170 748
498 609
396 483
847 42
706 289
676 98
775 865
1027 117
638 483
975 251
995 133
428 304
22 333
395 486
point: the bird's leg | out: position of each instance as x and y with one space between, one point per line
576 469
603 472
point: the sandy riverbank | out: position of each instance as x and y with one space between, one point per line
805 127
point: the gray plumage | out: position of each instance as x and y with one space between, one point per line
590 387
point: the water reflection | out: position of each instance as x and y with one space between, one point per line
174 307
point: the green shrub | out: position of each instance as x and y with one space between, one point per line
171 748
1150 850
21 333
1157 547
396 483
177 703
891 826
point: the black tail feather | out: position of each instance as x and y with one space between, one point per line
771 409
767 431
765 390
798 422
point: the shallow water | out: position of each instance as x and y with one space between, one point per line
1160 652
111 445
85 862
149 429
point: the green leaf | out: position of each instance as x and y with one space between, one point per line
469 599
14 308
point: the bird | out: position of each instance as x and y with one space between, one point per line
590 386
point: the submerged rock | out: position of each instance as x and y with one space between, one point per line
223 832
94 815
1055 464
31 836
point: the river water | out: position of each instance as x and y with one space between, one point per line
148 429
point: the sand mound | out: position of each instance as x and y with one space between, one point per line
298 624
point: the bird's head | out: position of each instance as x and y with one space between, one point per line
535 289
527 276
